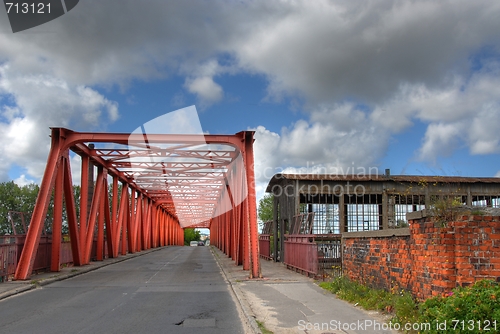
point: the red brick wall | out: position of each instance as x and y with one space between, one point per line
431 260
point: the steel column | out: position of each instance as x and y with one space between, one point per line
55 262
28 253
74 233
96 198
100 229
252 206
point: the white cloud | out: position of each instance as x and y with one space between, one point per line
466 113
484 130
76 169
336 135
463 113
207 90
329 50
323 50
22 181
41 102
266 154
440 140
365 71
337 139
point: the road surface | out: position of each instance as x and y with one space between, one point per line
172 290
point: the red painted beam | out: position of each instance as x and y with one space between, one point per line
71 214
252 206
25 264
55 261
94 207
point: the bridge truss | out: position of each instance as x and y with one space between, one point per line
148 188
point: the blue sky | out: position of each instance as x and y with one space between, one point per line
413 86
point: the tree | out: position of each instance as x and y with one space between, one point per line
265 210
191 234
23 199
15 198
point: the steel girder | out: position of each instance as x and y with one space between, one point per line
168 183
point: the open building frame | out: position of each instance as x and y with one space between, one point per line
342 204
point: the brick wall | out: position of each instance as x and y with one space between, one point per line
430 260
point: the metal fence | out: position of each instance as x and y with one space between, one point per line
8 257
319 255
301 253
265 246
12 246
265 241
329 255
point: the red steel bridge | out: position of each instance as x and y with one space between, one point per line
161 184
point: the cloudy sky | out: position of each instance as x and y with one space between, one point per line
413 86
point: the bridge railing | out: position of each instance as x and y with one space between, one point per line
265 246
8 257
265 241
11 247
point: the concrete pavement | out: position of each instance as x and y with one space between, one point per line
288 302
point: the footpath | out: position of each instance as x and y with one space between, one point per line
287 302
283 301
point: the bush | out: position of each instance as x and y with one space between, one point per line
465 309
405 310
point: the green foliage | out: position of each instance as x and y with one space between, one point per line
401 223
368 298
191 234
265 210
22 200
15 198
464 309
263 328
405 310
445 208
336 285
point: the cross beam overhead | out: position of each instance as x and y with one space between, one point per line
148 188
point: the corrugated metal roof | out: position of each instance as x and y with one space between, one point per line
381 178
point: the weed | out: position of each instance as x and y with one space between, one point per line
263 328
472 306
405 310
445 209
35 282
477 212
368 298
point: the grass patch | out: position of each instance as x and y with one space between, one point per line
35 282
263 328
463 306
368 298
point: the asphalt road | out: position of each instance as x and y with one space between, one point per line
172 290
